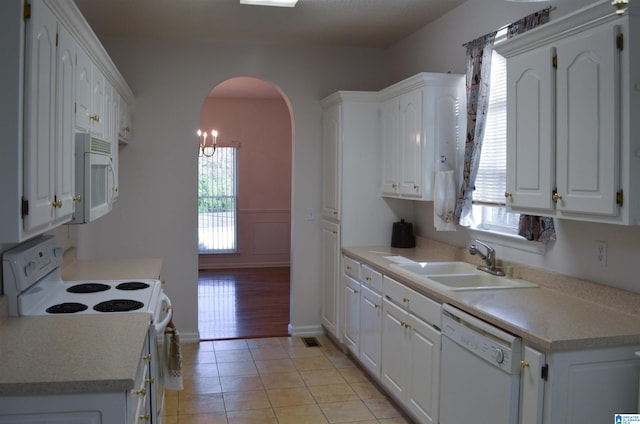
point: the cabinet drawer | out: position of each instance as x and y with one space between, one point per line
351 267
371 278
414 302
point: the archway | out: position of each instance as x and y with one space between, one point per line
254 122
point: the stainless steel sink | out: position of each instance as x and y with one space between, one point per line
478 281
456 276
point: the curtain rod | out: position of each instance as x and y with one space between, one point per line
546 9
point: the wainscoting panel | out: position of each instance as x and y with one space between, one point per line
271 238
264 238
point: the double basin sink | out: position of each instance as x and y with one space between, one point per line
455 276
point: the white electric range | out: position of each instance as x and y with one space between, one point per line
32 282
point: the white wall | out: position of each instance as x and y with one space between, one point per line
574 252
155 215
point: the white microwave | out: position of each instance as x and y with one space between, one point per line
95 178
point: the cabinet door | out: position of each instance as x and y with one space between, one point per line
410 144
530 130
40 131
424 365
83 90
351 297
65 141
332 143
370 330
394 349
97 116
588 126
330 272
124 122
532 387
389 121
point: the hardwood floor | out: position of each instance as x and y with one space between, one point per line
243 303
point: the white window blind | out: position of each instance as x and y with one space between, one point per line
217 201
492 173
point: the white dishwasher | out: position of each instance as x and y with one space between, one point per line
480 371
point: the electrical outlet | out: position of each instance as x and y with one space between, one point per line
601 253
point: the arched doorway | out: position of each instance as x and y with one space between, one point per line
244 209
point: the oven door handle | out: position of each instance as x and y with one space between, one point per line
160 326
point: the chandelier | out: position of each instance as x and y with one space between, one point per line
207 145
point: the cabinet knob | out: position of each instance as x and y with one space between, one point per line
141 392
367 278
144 417
555 196
508 194
416 187
94 118
524 364
405 299
375 305
77 198
348 267
149 380
57 203
394 186
147 357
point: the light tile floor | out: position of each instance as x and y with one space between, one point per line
275 380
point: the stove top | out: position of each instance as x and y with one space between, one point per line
33 283
90 297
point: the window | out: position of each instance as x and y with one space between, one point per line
217 201
489 211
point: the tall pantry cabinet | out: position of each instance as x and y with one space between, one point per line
353 212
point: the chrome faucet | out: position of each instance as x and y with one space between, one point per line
489 258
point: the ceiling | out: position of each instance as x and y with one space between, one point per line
356 23
360 23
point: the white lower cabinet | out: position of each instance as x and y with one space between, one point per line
351 296
331 278
410 361
586 386
370 330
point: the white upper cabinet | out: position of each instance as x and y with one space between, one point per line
91 107
49 185
588 136
124 122
332 143
40 131
421 124
84 88
531 148
49 90
572 144
65 117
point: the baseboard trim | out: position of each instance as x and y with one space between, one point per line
307 330
191 337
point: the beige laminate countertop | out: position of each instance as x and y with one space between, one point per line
71 354
76 354
550 319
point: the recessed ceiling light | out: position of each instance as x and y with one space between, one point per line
279 3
